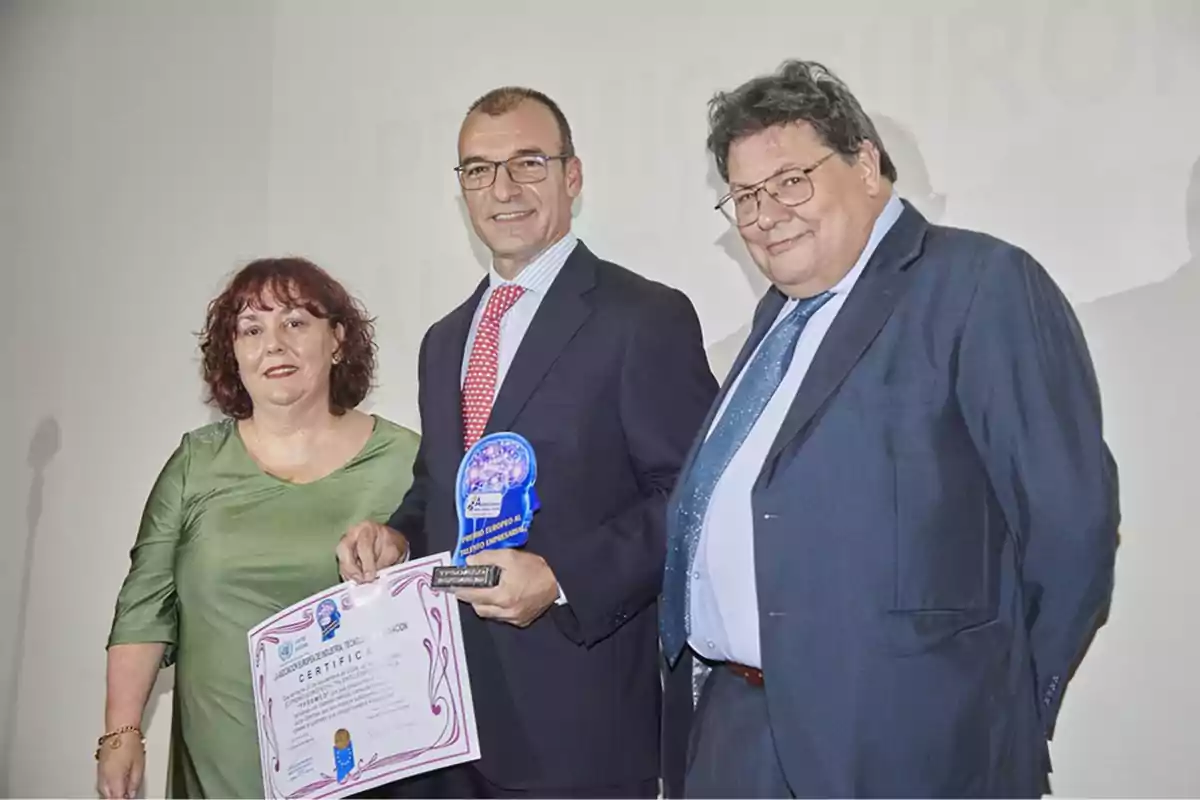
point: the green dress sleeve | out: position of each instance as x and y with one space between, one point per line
147 609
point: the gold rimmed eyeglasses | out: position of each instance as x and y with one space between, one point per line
791 187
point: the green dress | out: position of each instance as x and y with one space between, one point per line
221 547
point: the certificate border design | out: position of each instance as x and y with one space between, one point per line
452 742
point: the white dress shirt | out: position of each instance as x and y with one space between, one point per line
724 599
536 278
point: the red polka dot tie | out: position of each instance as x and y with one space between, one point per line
479 388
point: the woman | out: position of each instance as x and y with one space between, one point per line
244 518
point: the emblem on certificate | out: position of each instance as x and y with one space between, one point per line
496 500
343 754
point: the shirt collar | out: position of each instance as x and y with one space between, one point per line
538 274
883 223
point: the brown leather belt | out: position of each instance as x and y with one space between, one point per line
751 675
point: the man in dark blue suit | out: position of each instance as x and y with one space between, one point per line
896 533
604 373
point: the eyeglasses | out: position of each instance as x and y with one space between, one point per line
530 168
791 187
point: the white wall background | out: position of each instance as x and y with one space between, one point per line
148 148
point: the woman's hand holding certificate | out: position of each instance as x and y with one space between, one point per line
368 547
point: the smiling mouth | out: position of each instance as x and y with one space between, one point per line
775 248
282 371
511 216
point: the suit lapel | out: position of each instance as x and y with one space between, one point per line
444 364
560 315
859 321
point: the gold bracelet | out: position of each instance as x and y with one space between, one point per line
114 738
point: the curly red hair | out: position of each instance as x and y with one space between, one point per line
297 283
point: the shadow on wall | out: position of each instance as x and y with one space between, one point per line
913 181
1143 344
723 352
914 185
43 447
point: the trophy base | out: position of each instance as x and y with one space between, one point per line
480 576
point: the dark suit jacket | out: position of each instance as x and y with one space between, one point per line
935 526
609 386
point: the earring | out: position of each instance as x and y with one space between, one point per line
337 358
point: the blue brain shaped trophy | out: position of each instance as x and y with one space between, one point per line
496 501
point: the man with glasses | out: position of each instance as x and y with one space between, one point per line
604 372
898 529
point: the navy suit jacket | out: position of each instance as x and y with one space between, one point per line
609 385
935 527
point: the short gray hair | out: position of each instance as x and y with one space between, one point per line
799 91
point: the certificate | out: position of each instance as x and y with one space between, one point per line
362 685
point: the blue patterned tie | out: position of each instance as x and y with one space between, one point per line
760 379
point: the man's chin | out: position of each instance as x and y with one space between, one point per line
786 272
509 246
504 241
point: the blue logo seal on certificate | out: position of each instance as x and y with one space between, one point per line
496 500
343 754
